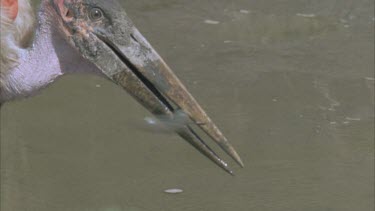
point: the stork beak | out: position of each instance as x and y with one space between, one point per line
142 72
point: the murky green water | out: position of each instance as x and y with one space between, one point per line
291 84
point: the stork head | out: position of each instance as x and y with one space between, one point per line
103 34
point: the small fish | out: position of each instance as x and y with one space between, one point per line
213 22
244 11
173 191
168 124
306 15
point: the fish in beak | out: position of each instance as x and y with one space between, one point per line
104 35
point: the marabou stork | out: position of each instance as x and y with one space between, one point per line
95 36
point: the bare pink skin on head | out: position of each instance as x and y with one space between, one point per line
11 8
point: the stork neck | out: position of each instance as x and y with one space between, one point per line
49 57
37 66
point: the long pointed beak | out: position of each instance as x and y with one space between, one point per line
145 75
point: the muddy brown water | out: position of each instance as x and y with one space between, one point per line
290 83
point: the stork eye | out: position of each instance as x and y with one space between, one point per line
96 14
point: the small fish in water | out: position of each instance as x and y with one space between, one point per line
165 123
173 191
213 22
